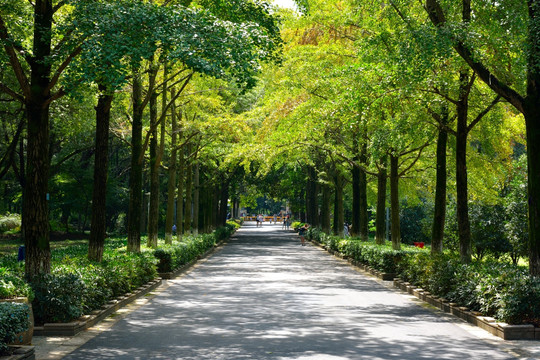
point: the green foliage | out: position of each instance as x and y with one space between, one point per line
13 285
77 285
496 289
381 258
487 230
413 223
58 297
13 320
172 257
515 203
10 223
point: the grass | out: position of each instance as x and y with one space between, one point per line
11 245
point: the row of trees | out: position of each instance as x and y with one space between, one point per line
419 99
410 97
142 56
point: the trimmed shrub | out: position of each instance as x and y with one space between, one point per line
13 320
58 297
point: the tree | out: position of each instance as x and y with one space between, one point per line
527 104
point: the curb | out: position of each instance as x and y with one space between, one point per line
21 352
503 330
182 269
489 324
86 321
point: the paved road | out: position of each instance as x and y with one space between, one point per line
263 296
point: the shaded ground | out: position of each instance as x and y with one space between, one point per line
9 243
263 296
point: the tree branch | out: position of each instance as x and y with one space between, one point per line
11 93
62 67
13 59
436 15
483 113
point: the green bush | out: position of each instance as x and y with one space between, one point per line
171 257
496 289
13 285
381 258
10 223
13 320
58 297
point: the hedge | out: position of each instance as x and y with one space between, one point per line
501 290
77 285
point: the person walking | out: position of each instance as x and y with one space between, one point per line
302 233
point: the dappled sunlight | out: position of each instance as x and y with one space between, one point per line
263 296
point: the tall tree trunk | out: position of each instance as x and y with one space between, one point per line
311 197
439 215
180 192
171 185
153 212
532 121
189 190
532 124
98 228
223 201
196 192
380 220
339 214
394 202
135 176
325 210
35 207
364 218
462 198
355 223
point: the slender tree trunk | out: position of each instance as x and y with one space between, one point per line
380 220
355 223
223 201
339 214
196 192
99 196
439 216
135 176
325 211
364 218
171 185
35 206
311 197
153 213
180 193
532 124
462 198
189 190
394 202
532 121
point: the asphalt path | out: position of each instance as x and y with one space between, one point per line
264 296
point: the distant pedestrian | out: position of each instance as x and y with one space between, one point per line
346 230
302 232
275 219
174 229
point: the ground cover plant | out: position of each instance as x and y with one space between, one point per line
76 285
